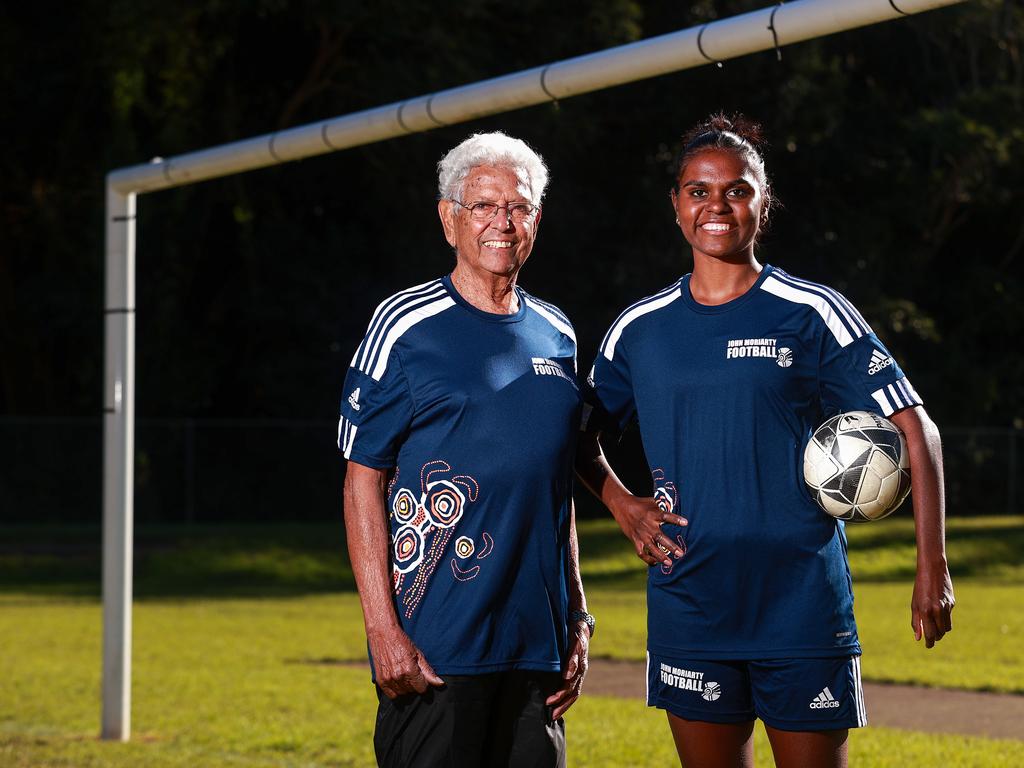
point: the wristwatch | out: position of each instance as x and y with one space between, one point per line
585 617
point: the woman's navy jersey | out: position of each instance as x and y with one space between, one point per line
477 413
726 398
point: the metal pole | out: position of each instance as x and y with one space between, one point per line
118 464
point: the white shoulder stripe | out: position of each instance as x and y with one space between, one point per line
627 317
558 322
819 304
390 300
403 325
387 310
843 304
550 306
853 327
664 292
371 344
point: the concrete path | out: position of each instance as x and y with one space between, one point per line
935 710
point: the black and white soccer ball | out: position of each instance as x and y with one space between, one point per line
857 467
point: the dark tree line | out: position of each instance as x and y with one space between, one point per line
897 152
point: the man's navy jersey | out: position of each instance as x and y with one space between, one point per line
726 398
477 413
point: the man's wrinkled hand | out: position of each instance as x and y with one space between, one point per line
576 666
399 665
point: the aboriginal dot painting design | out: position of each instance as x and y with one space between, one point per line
426 525
667 498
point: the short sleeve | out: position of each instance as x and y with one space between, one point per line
608 392
863 375
375 415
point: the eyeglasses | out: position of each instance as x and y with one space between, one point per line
484 210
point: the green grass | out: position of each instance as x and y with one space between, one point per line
216 682
267 682
249 649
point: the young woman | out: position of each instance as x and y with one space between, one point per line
728 370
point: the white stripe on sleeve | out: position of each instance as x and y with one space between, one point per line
883 401
909 392
350 441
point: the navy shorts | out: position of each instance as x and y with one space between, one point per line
788 694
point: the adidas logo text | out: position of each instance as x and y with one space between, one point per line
878 362
824 700
353 399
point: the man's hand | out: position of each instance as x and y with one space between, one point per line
575 670
640 518
399 665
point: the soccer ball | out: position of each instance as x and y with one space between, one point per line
857 467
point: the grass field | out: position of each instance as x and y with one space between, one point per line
248 649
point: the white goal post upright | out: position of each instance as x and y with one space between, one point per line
118 463
765 29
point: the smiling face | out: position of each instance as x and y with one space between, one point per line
719 204
495 248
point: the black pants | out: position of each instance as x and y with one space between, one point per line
474 721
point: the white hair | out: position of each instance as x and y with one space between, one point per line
495 149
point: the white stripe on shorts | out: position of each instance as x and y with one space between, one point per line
858 693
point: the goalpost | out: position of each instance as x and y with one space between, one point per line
714 42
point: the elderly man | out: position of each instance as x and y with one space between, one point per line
458 420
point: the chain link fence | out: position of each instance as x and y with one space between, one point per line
245 470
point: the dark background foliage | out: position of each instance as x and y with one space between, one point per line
897 152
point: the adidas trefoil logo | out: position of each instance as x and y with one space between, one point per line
353 399
824 700
877 362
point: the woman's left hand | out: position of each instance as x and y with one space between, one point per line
932 604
